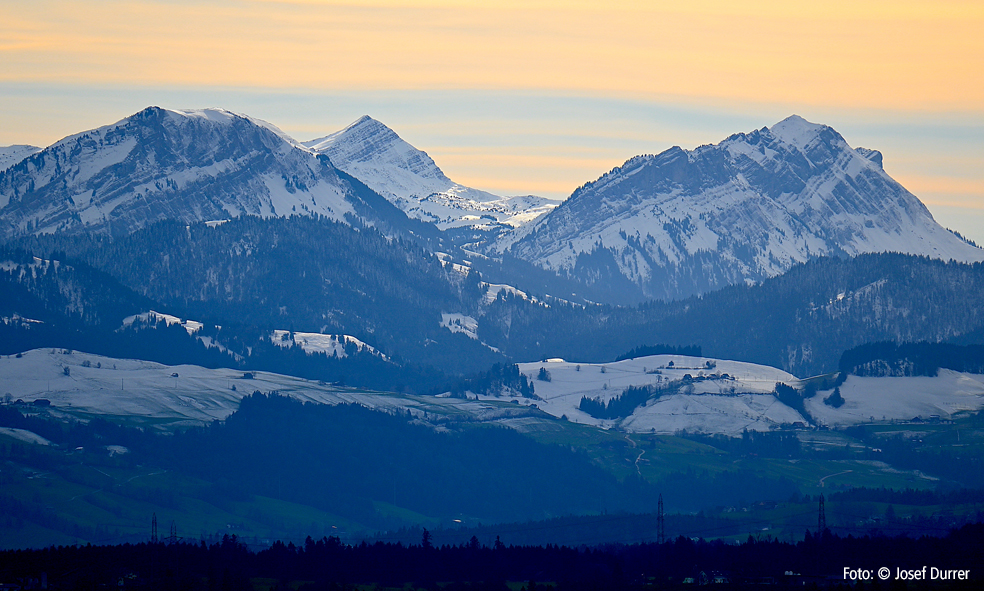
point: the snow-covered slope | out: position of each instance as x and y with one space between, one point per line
315 342
684 222
152 318
337 345
726 397
901 398
11 155
186 165
82 386
410 179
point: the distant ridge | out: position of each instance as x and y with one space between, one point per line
11 155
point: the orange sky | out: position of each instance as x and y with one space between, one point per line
898 55
829 61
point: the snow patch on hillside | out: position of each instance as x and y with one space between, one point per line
492 291
18 320
152 317
712 413
460 323
24 435
329 344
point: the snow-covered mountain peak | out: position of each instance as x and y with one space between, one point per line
188 165
224 117
367 144
411 180
186 122
796 131
684 222
216 115
364 125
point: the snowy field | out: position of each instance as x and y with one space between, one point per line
743 400
726 397
151 394
731 397
887 399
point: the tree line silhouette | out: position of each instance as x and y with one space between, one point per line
817 560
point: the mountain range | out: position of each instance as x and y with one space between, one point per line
179 268
364 257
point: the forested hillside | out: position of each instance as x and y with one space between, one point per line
251 276
801 321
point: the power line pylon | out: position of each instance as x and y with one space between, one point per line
660 522
153 530
821 519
